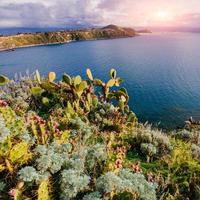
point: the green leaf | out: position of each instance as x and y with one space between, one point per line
3 80
131 117
82 86
87 106
38 78
67 79
97 82
48 86
126 109
121 105
45 101
51 76
95 102
111 96
79 93
70 109
77 80
36 90
65 135
124 90
111 83
89 74
89 98
118 81
113 73
119 93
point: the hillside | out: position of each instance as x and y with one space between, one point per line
32 39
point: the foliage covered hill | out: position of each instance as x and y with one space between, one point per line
22 40
66 140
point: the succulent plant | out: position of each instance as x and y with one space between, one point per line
149 150
4 131
112 184
72 182
51 158
195 151
2 186
28 174
93 196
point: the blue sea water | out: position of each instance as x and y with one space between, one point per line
161 71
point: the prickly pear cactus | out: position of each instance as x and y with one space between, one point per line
51 76
89 74
3 80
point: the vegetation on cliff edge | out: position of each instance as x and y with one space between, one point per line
78 139
32 39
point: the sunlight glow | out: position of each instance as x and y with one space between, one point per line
163 15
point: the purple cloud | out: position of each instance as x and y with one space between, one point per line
62 13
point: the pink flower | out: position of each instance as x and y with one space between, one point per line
12 192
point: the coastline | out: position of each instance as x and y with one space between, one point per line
10 43
33 45
61 43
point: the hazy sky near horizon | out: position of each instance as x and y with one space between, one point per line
62 13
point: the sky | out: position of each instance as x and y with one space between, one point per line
132 13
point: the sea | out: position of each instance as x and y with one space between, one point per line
161 71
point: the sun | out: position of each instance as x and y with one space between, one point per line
163 15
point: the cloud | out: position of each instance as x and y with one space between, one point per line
25 14
111 4
190 19
63 13
48 13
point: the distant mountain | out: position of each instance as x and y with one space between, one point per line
111 26
171 29
144 31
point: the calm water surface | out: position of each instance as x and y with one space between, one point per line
161 71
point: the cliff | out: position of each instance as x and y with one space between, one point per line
34 39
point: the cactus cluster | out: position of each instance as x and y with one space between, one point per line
79 96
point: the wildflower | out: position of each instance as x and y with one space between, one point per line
3 103
118 163
12 192
136 167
